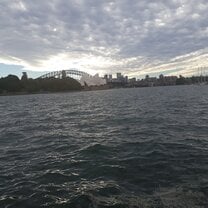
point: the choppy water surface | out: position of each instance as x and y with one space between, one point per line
144 147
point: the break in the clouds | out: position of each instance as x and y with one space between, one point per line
134 37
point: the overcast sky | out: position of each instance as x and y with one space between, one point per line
135 37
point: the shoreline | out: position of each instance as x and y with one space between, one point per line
49 92
35 93
94 88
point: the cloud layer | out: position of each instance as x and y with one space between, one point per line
105 36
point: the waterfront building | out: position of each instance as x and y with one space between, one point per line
118 75
63 74
132 80
106 77
126 79
92 80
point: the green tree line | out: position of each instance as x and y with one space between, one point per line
12 84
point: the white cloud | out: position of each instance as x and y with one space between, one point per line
135 37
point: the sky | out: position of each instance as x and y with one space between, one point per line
134 37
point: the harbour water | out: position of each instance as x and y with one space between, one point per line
142 147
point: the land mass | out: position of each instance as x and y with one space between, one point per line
11 84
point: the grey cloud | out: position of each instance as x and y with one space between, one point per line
158 30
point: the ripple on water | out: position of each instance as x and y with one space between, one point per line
114 148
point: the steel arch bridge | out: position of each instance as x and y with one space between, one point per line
73 73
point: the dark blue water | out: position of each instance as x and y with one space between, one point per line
144 147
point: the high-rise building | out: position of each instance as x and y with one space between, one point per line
106 77
132 80
119 75
63 74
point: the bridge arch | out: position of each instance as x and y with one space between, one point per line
73 73
82 77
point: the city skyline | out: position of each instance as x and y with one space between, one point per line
104 37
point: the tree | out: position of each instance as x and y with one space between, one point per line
10 83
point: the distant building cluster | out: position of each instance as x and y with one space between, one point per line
92 80
154 81
119 80
61 81
147 81
124 81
